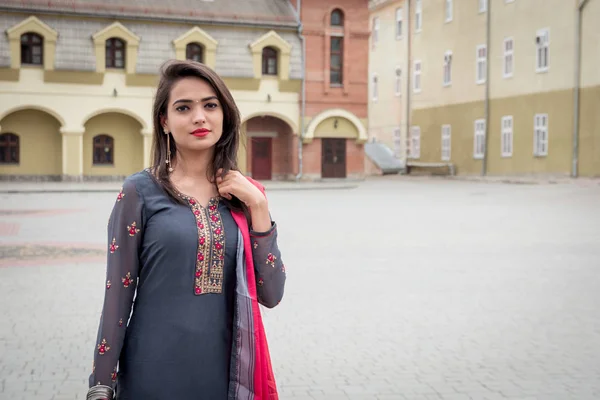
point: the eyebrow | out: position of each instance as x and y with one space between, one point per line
190 101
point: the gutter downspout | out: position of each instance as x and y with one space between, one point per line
575 161
408 83
487 88
303 107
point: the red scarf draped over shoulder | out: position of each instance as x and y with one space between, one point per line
264 380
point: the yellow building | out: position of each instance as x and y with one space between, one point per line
77 83
494 84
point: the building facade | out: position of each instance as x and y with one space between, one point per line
78 82
494 87
334 111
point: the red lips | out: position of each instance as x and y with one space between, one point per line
201 132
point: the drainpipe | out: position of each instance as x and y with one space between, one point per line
408 83
575 163
303 107
487 88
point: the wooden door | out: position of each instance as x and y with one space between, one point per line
333 158
262 158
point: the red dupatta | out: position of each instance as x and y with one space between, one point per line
265 387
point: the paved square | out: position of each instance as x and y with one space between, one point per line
399 289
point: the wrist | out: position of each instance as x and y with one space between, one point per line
258 204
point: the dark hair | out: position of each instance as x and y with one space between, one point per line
225 154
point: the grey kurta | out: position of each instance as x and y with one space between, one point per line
180 263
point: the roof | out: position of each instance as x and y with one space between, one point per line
255 12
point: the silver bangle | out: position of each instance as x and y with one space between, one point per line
100 392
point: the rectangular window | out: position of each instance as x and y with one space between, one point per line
483 6
417 77
448 68
375 88
507 136
481 64
398 23
398 84
418 16
449 10
542 50
540 135
446 142
509 57
375 28
336 62
479 140
414 144
397 138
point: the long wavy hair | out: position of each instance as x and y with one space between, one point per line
225 154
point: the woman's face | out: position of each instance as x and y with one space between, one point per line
194 115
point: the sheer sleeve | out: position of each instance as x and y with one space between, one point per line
268 266
125 231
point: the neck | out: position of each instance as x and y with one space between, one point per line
192 166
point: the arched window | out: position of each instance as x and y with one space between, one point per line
194 52
337 18
32 49
115 53
9 148
269 61
104 150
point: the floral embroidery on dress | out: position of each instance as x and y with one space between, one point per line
127 280
121 322
210 258
121 195
260 282
132 229
108 284
255 244
113 376
271 260
113 246
103 347
282 268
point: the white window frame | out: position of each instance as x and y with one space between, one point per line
397 141
509 57
447 79
479 139
399 22
414 144
418 16
417 76
375 37
446 142
483 5
506 135
375 88
398 81
542 42
540 135
483 61
448 10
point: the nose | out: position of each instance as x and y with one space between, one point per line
199 116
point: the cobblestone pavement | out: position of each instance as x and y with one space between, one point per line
399 289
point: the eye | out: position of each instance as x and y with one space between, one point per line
211 105
182 108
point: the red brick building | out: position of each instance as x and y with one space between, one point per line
336 38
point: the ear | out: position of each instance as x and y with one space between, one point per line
163 121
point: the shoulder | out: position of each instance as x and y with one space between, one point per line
256 183
137 182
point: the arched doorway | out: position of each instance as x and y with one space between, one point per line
270 144
112 146
33 144
338 136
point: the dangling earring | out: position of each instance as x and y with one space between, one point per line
169 167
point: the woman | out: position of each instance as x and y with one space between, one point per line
192 238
